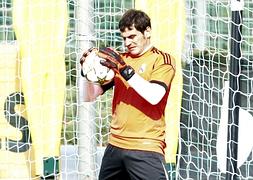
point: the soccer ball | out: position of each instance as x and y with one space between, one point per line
95 72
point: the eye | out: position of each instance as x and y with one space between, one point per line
131 37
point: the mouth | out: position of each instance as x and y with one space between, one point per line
131 48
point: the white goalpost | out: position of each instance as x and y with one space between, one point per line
86 127
216 116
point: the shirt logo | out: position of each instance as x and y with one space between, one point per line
130 71
142 68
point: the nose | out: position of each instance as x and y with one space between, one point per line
128 42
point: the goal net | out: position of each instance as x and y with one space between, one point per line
207 70
46 130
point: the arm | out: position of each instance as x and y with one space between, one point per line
93 90
90 91
154 90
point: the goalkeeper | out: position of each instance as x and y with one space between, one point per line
142 80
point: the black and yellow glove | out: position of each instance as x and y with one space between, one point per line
114 61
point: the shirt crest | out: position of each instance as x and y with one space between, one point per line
142 68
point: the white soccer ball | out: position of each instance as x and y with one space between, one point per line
95 72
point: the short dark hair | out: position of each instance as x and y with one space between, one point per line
132 17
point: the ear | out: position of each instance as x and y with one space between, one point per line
147 32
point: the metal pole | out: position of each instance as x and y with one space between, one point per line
234 90
86 110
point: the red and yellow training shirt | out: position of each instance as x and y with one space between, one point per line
137 124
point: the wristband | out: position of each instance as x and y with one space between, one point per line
127 72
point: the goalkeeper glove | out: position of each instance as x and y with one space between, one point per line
85 54
113 60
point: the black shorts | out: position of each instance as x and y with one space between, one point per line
124 164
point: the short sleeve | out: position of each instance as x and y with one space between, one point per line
163 70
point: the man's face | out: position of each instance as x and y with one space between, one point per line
135 41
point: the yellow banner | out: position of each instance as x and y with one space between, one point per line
16 154
168 30
41 28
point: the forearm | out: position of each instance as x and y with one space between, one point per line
152 92
90 91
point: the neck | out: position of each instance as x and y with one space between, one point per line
146 49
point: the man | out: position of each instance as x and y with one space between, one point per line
141 88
